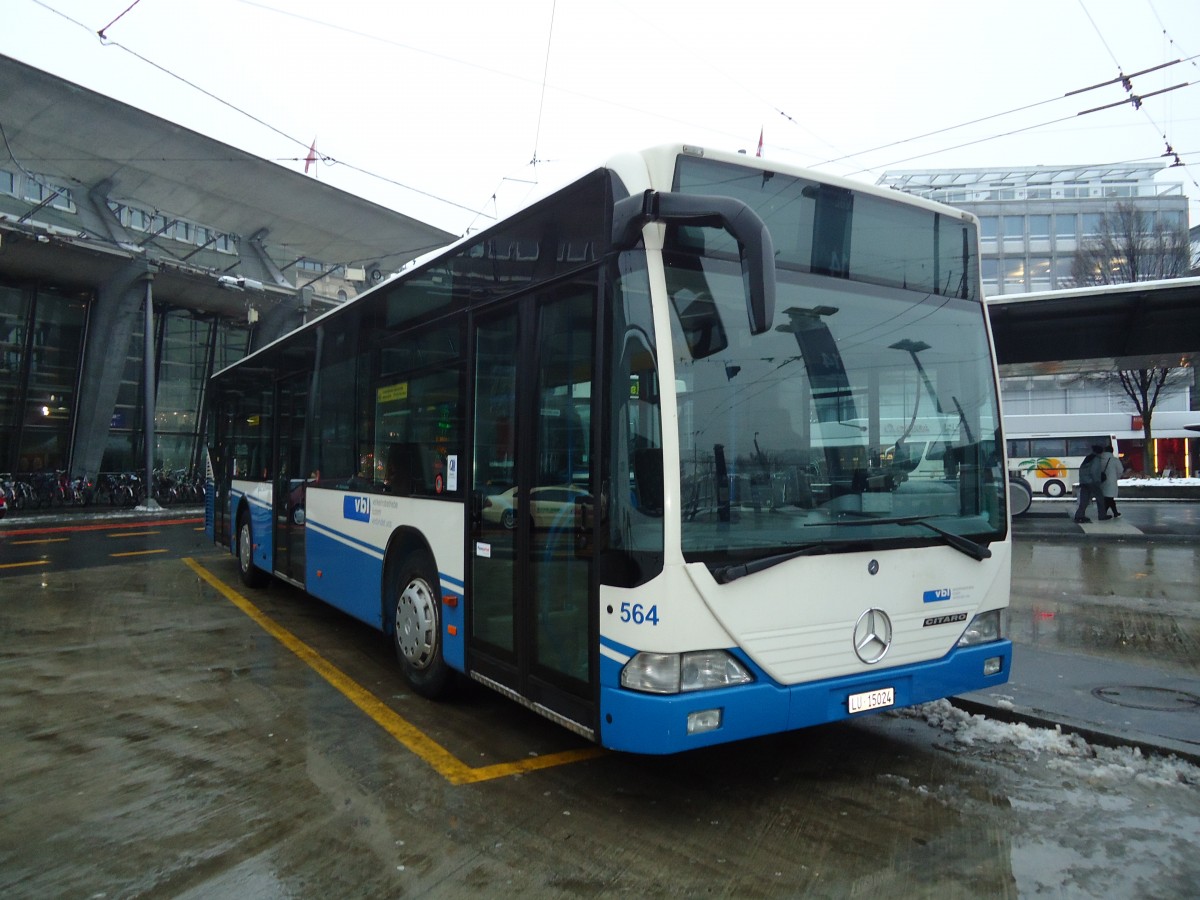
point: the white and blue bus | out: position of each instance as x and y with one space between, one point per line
623 457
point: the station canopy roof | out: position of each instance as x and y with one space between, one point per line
1098 329
69 133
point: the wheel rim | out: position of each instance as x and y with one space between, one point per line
416 621
509 519
244 547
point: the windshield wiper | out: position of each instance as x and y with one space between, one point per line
957 541
726 574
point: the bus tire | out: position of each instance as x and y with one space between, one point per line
1020 495
417 625
1054 488
251 575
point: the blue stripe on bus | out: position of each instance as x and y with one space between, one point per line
344 573
340 536
616 646
656 723
348 576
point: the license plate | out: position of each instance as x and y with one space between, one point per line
869 700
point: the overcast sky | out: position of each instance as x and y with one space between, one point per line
455 112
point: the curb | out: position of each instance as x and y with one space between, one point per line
1091 735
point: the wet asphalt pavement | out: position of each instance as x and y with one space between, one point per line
1105 617
168 734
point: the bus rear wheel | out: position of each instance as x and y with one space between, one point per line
1054 488
251 575
417 634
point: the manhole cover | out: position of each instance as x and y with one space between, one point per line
1140 697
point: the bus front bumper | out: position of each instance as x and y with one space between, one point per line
659 724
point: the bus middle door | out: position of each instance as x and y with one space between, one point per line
291 479
531 530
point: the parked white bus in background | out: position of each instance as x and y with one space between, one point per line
1050 462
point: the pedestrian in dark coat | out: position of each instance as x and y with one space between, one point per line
1110 472
1089 484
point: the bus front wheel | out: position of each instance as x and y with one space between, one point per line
1054 488
252 576
417 633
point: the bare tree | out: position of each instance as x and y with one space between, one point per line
1134 245
1144 387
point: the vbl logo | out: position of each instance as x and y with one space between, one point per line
356 508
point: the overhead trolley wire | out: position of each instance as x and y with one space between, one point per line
1010 112
329 160
537 133
1135 100
117 19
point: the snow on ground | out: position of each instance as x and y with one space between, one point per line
1068 752
1158 482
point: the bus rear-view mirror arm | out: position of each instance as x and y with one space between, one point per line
757 250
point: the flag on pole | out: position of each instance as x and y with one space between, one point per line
760 137
311 159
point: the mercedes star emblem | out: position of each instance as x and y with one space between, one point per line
872 636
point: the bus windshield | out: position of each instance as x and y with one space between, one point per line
869 402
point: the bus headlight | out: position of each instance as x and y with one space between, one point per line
675 673
986 627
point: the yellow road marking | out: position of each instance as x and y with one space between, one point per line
36 562
139 552
131 534
42 541
438 757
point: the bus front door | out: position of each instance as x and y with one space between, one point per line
531 528
290 481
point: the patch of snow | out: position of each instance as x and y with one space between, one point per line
1158 482
1068 752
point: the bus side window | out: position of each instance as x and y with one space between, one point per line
632 551
404 476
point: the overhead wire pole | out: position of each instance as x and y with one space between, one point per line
148 400
537 133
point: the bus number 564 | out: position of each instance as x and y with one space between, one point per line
638 614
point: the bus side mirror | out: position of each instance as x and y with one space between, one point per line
755 247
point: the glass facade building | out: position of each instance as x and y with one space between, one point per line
41 336
42 341
1033 220
105 209
188 349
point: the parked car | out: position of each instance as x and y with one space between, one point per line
550 506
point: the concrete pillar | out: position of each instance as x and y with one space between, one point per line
111 322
